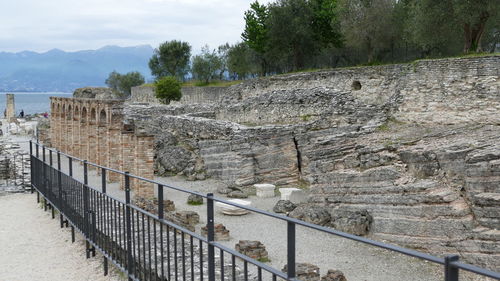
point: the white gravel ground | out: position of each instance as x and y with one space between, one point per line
34 247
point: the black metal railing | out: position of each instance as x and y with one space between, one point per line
146 246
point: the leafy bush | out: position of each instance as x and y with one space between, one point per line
168 89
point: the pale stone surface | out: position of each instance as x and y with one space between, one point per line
233 210
287 192
264 190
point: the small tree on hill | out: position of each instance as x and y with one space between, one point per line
123 83
168 89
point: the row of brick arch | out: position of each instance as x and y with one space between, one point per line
105 140
85 111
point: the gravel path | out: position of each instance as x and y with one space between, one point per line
35 248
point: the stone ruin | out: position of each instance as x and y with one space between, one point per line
406 153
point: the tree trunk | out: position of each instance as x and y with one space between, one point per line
474 33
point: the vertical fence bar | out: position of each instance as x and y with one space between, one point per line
59 186
130 262
44 178
85 209
291 250
450 272
160 216
37 150
31 167
210 236
103 180
70 164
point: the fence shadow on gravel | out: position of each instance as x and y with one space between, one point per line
145 246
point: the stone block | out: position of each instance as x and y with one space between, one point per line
305 271
254 249
194 199
298 196
221 232
264 190
286 192
334 275
284 206
233 210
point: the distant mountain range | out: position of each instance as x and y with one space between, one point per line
57 70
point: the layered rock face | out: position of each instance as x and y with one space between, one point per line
412 147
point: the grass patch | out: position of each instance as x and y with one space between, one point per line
194 83
388 124
195 203
264 260
306 117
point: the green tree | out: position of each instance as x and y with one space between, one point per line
123 83
434 27
473 16
130 80
223 53
171 59
168 89
242 61
256 32
367 24
206 66
113 80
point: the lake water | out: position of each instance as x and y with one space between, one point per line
31 102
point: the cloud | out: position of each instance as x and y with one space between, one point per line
89 24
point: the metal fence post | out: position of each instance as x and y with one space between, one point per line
85 210
130 261
291 251
37 151
31 167
450 272
59 186
103 180
70 164
210 237
160 216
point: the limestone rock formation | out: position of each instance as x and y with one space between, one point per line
101 93
408 155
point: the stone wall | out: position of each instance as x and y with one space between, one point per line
190 95
414 145
432 91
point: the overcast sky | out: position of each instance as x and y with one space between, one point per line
71 25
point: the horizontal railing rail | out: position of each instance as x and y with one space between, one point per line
118 229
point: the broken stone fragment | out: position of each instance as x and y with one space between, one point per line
195 199
264 190
334 275
305 271
237 194
354 222
221 233
254 249
284 206
312 214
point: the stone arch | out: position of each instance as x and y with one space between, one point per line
102 117
92 115
84 115
69 113
76 114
